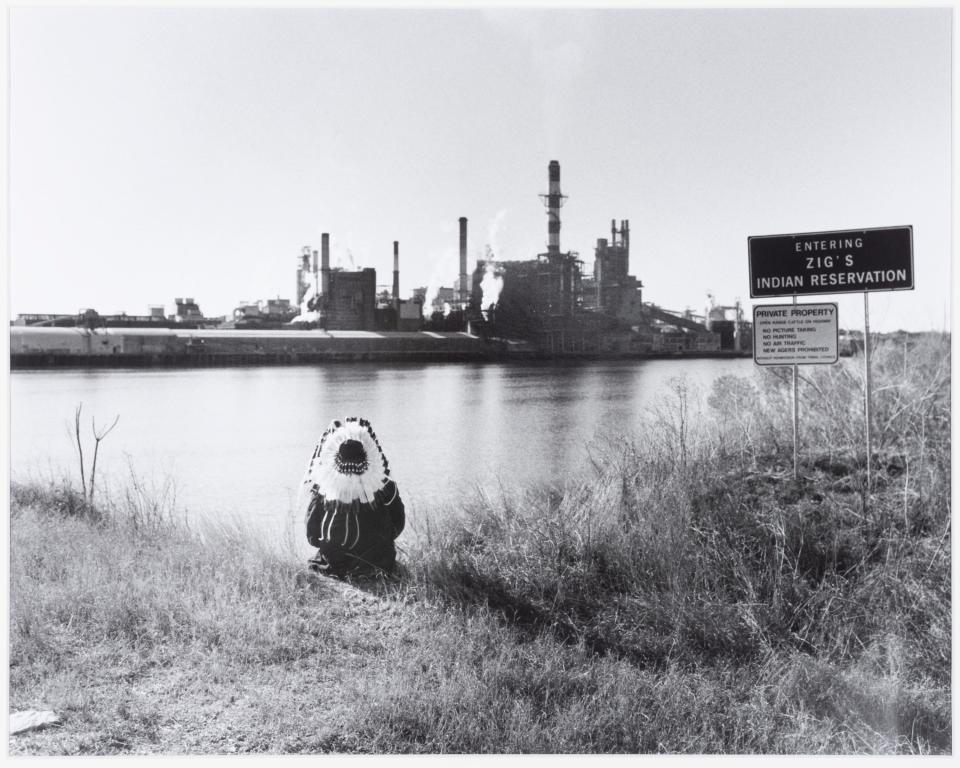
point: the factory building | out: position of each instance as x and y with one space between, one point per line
398 314
188 315
612 290
535 290
546 303
728 321
350 304
187 311
542 299
549 302
334 298
272 313
409 315
444 300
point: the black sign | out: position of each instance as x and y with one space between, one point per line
845 261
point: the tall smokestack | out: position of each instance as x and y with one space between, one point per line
396 271
464 293
325 265
554 201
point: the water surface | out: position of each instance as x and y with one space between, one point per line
235 441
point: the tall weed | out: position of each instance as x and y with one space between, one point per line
694 544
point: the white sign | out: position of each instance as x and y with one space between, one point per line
795 334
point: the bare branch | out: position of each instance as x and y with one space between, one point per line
97 436
100 437
76 421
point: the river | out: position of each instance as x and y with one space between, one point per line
234 442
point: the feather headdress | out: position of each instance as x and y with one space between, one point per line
347 463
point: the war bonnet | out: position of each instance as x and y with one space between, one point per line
348 463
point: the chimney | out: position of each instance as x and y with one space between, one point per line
325 265
396 272
598 269
554 201
464 293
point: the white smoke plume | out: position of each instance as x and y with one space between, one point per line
490 287
445 265
309 283
492 282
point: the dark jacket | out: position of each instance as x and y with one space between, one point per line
357 535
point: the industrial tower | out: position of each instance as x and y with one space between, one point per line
553 201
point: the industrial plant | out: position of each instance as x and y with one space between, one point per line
546 306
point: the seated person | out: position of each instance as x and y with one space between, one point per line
353 508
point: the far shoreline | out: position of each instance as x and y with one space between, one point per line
20 362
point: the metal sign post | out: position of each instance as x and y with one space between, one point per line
867 393
796 413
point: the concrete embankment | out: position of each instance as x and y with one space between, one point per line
32 347
46 347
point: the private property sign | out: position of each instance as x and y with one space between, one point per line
795 334
846 261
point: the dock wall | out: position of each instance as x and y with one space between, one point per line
48 347
112 347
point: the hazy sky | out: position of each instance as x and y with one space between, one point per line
157 153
